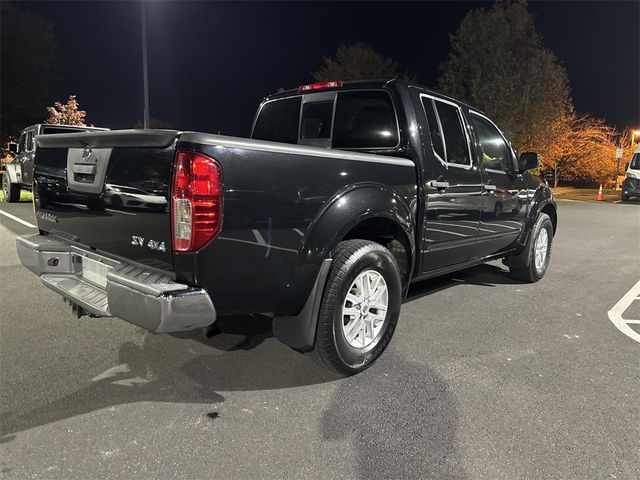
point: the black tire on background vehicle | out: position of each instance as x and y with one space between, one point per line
95 205
10 190
116 201
624 198
360 307
531 265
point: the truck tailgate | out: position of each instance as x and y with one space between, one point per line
108 191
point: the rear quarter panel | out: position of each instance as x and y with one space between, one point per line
280 218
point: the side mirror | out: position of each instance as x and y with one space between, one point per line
626 166
13 147
528 161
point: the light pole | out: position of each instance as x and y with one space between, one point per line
145 78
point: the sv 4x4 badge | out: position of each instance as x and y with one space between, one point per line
152 244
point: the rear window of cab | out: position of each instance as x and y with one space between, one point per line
358 119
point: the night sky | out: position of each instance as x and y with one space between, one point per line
210 63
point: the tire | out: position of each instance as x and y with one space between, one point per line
95 204
349 343
624 198
11 190
531 265
116 201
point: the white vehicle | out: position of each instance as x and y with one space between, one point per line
123 196
631 183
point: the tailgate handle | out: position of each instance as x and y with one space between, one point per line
84 168
439 185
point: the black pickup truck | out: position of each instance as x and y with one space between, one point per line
345 195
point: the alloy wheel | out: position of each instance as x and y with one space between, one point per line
365 309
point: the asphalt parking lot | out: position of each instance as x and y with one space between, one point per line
485 378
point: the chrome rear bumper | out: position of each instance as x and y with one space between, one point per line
107 287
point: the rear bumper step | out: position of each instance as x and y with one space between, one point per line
106 287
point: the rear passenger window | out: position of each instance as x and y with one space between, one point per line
278 121
30 141
23 143
455 141
447 132
365 119
434 128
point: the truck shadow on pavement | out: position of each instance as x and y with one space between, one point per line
400 420
185 368
191 368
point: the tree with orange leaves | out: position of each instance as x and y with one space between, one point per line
66 113
579 148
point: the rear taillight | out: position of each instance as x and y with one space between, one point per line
196 201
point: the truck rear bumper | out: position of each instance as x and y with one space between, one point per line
106 287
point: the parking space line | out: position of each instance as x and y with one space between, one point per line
615 314
19 220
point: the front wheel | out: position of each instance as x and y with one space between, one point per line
531 265
360 307
624 198
10 190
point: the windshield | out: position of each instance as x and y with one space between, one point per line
635 162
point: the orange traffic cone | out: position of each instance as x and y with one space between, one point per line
600 195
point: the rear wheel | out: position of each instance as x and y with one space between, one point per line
531 265
360 307
10 190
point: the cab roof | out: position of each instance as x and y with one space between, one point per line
365 84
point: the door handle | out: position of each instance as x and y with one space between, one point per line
489 188
438 185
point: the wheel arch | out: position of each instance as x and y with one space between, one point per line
366 211
550 209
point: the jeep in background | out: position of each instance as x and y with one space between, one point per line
18 174
345 195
